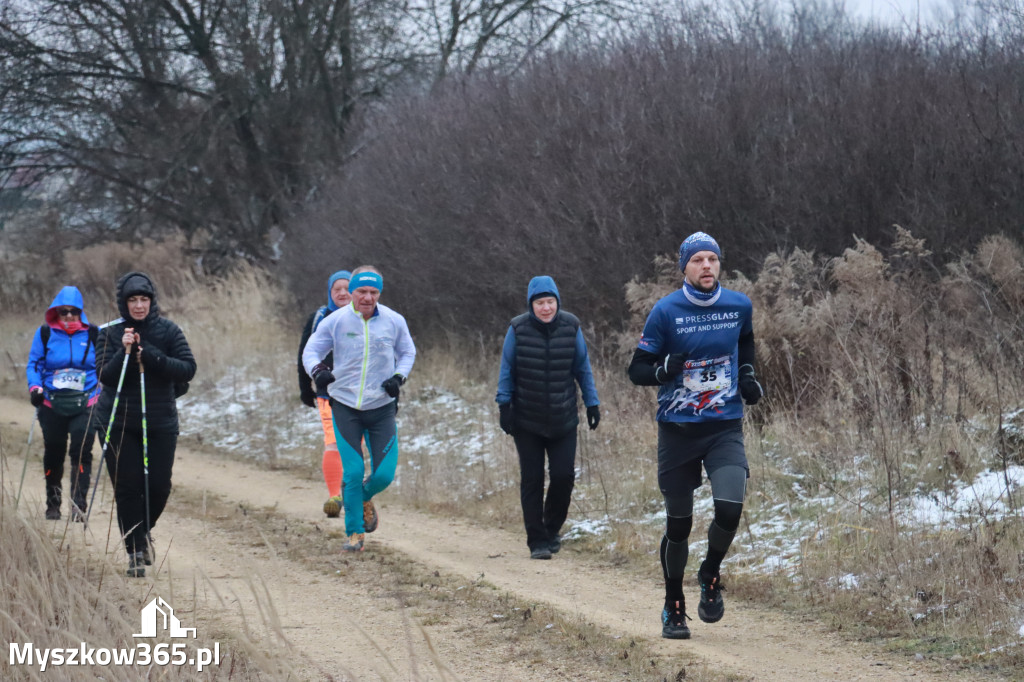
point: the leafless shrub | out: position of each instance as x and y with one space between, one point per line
774 133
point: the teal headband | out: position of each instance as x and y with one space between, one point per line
366 279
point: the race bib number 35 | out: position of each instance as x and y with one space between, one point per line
713 374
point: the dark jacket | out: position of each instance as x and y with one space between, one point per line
307 391
541 363
166 357
545 396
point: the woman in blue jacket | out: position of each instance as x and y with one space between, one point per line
62 385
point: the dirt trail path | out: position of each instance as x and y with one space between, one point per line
750 643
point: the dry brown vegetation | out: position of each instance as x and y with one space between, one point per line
888 377
58 596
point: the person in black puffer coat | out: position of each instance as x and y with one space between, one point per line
161 348
543 358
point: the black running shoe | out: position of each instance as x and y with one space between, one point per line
555 544
541 552
711 607
136 565
673 621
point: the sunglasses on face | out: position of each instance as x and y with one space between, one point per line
64 312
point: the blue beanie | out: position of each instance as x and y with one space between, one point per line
340 274
698 241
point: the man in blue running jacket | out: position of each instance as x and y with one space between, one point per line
698 348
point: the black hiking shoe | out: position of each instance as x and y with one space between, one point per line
78 511
541 552
53 502
136 565
673 621
555 544
711 607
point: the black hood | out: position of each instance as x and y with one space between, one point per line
133 284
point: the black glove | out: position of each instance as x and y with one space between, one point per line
153 358
308 398
593 416
750 388
393 385
322 376
505 417
671 365
36 397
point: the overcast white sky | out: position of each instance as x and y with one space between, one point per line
899 11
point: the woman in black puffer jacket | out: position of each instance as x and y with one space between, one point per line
167 360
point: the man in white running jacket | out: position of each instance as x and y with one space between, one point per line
373 355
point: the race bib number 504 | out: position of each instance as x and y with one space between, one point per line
70 379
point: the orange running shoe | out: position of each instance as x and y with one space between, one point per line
354 543
370 518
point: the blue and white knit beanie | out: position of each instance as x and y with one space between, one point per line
698 241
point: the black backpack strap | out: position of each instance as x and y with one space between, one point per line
94 332
44 335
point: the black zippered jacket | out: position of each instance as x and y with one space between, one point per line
167 359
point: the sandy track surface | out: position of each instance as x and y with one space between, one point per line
316 614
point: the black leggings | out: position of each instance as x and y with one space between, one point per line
728 488
124 463
544 518
56 431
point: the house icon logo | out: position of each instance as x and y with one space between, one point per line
158 614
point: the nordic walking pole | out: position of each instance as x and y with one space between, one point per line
145 451
24 467
106 437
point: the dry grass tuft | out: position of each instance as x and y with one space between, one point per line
55 595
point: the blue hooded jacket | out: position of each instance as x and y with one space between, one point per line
67 360
340 274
